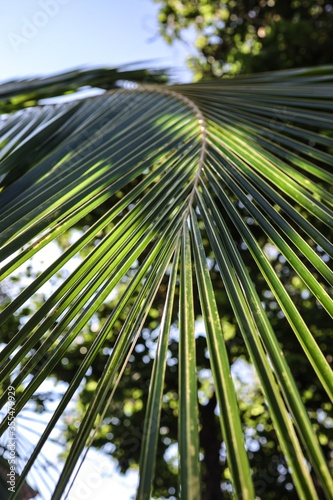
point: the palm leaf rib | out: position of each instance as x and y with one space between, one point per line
282 372
170 179
95 347
230 421
154 404
282 424
188 435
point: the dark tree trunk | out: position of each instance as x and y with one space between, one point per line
210 442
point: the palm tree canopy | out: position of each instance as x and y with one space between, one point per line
180 169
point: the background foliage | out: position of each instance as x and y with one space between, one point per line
250 36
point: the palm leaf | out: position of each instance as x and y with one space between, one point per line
171 170
15 95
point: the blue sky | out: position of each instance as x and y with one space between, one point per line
40 37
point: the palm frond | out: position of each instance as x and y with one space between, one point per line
18 94
173 175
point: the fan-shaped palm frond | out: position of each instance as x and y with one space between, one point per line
174 173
